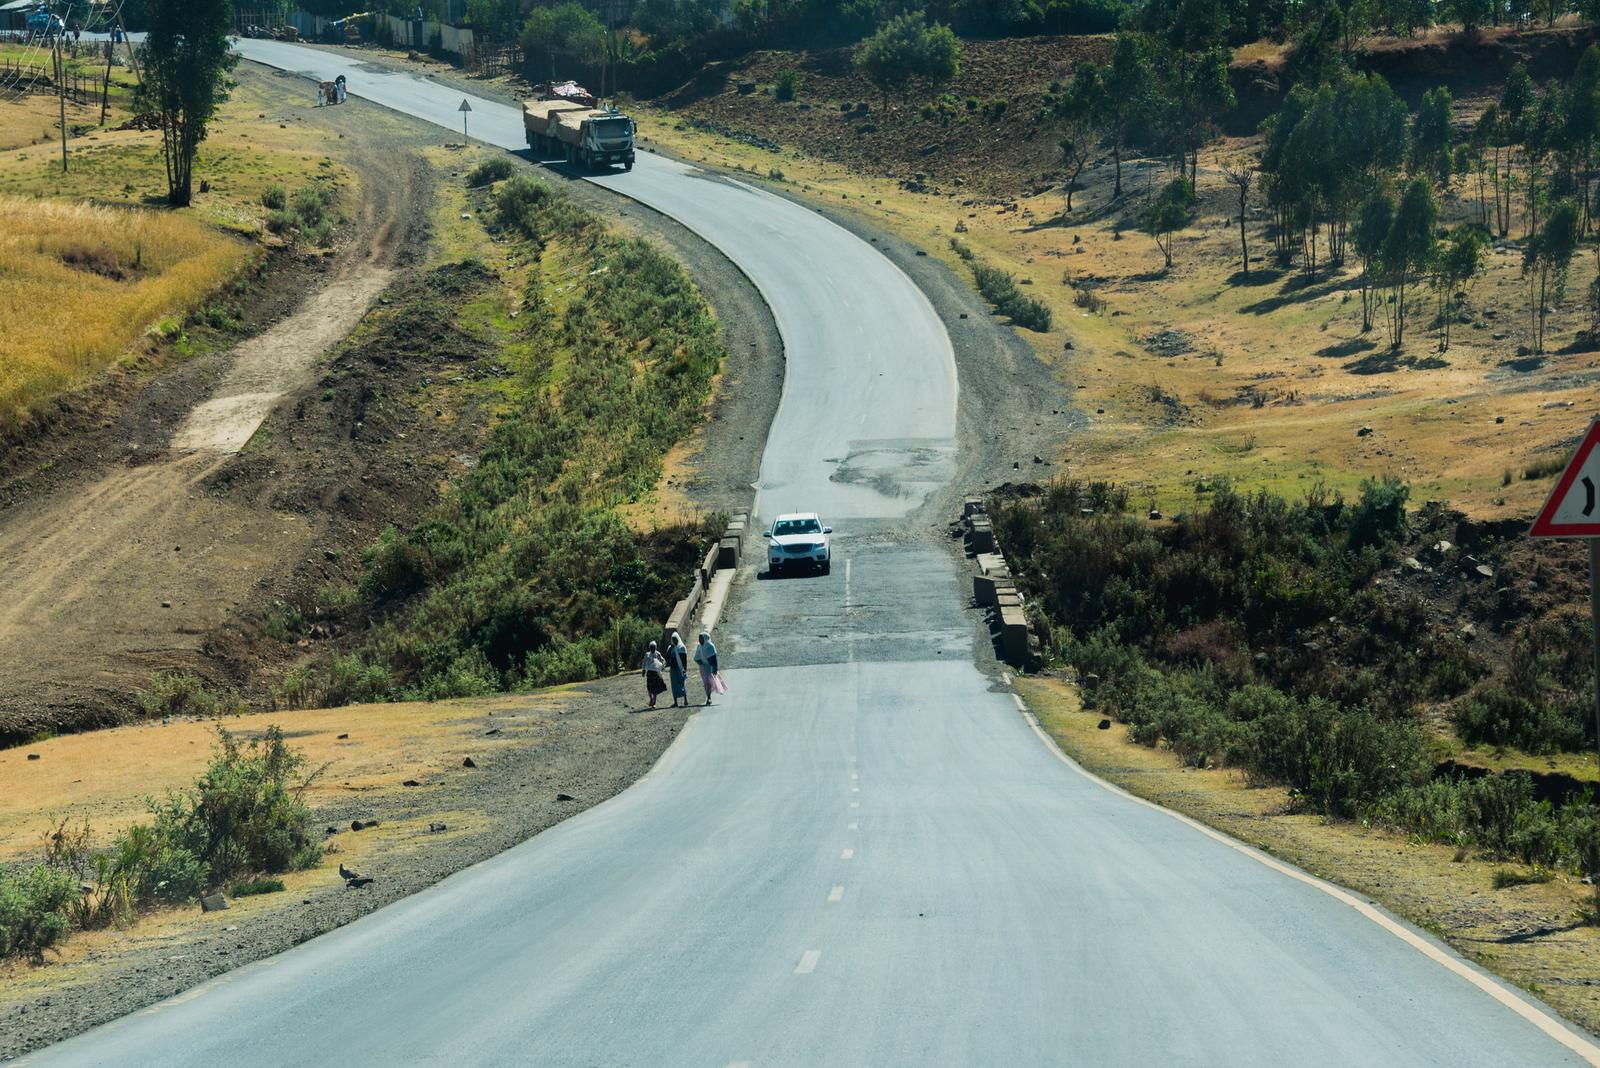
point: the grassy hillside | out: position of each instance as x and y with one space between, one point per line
79 283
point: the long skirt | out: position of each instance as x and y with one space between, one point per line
654 684
705 677
679 687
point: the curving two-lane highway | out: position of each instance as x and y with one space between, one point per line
866 856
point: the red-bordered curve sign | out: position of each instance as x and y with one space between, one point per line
1573 508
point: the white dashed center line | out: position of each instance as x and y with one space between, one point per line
855 825
836 894
855 804
808 962
847 854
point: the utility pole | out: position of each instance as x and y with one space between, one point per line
61 85
105 86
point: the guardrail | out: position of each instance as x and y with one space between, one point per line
995 588
724 554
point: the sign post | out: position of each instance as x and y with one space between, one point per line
1573 511
464 109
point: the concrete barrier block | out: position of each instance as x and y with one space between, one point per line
981 538
1008 598
971 505
1014 636
992 563
728 553
983 589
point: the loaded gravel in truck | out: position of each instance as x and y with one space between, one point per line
589 137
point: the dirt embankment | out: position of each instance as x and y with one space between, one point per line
985 135
132 558
987 138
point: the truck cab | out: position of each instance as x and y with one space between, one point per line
608 139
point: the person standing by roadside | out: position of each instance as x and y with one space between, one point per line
705 655
678 669
654 665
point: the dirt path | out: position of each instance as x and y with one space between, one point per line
107 580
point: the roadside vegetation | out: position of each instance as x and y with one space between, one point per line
242 820
1282 639
526 574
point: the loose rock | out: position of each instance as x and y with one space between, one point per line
213 903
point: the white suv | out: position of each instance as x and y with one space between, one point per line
798 539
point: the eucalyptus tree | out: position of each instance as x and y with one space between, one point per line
186 58
1408 252
1546 259
1457 261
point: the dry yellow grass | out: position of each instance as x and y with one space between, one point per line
79 283
104 776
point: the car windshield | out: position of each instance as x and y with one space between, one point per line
610 128
795 526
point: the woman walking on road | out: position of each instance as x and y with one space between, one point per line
706 656
654 665
678 670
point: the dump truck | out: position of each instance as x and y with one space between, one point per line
588 137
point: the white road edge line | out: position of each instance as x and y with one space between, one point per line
808 962
836 894
1534 1014
1023 708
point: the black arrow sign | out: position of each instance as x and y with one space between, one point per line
1588 490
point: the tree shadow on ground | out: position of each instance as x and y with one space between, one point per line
1343 349
1388 360
1295 291
1523 364
1258 276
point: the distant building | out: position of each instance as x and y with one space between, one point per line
14 15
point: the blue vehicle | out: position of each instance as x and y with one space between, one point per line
41 21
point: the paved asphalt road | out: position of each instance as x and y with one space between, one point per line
866 856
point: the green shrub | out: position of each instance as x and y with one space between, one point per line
244 814
491 170
33 909
282 622
1000 289
252 887
557 662
1505 878
1380 514
786 84
179 693
274 197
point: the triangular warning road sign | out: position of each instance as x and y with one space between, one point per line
1573 509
